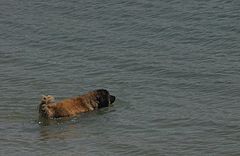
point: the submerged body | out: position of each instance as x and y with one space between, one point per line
70 107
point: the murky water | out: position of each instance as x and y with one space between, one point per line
174 67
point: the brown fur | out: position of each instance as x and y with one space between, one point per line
70 107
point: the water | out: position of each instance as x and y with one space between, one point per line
174 67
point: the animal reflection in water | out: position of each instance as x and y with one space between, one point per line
65 132
90 101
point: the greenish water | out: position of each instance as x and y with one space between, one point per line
174 67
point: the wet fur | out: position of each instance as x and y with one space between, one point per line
70 107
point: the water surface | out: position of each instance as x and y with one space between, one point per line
173 66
